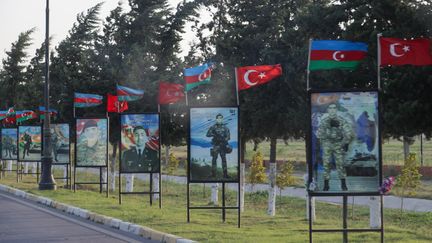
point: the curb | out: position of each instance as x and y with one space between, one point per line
98 218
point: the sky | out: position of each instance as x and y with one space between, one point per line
17 16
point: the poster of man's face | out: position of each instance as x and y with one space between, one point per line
140 143
92 144
9 138
213 144
60 143
30 143
345 142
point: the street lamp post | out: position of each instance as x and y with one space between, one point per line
47 179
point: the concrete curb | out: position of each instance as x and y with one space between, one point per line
98 218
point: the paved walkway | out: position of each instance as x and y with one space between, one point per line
24 221
410 204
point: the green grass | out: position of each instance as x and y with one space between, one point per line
289 225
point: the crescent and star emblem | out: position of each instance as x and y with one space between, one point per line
338 57
204 75
246 77
393 50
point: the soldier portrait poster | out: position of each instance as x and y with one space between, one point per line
92 142
60 143
9 137
139 143
345 142
213 144
29 143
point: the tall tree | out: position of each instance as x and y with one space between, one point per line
13 73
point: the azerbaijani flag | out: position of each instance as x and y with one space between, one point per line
25 115
42 111
336 54
197 75
3 115
128 94
87 100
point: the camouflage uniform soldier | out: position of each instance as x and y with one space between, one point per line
220 135
335 134
91 151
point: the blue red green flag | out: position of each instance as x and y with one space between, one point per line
129 94
336 54
198 75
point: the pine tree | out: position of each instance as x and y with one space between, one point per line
13 73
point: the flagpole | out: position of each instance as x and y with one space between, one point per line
308 65
379 60
236 83
187 104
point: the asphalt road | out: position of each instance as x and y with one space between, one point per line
25 221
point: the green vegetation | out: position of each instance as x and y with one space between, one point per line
289 225
409 179
257 170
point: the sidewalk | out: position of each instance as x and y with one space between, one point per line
25 221
410 204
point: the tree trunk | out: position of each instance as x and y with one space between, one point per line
167 154
406 146
272 178
130 182
65 173
374 212
34 168
104 179
215 193
26 167
113 167
242 174
306 180
156 185
9 166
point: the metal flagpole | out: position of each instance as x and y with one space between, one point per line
308 65
379 60
236 83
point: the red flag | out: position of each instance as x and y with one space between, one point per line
401 52
114 105
250 76
170 93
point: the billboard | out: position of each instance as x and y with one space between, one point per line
140 150
345 149
29 143
213 144
9 137
60 143
91 147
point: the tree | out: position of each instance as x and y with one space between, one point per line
285 176
257 170
409 179
13 73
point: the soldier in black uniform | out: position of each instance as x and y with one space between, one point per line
140 158
220 136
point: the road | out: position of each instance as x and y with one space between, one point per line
25 221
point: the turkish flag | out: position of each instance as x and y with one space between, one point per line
401 52
114 105
170 93
250 76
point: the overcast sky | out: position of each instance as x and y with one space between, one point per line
17 16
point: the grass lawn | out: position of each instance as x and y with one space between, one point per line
289 225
